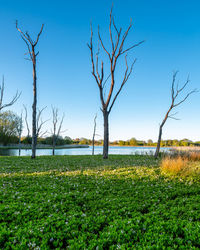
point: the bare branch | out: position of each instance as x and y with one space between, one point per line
14 99
38 36
90 46
135 45
103 44
110 29
106 81
126 77
185 98
118 36
29 50
97 65
40 122
173 118
22 33
29 41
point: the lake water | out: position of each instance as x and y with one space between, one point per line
83 151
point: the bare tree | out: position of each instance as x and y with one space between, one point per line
94 133
117 50
19 131
13 100
26 121
40 123
56 132
175 93
31 45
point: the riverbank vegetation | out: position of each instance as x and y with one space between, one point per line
79 202
10 140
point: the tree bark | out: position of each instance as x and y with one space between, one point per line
158 143
106 135
54 145
34 129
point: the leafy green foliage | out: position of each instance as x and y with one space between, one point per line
85 202
9 125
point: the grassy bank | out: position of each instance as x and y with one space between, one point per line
84 202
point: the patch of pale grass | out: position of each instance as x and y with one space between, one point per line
191 155
173 165
194 156
185 166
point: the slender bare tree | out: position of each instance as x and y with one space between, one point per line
32 56
94 133
175 94
40 123
13 100
19 131
117 50
56 132
26 121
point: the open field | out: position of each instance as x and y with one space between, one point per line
84 202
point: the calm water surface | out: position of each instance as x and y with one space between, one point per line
83 151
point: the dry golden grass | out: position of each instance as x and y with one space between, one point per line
182 165
191 155
194 156
173 165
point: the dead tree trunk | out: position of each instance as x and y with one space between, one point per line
158 143
94 133
56 132
174 95
19 130
32 57
113 56
106 135
34 107
26 121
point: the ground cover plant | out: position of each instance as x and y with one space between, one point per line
85 202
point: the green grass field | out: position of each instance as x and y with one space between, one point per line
84 202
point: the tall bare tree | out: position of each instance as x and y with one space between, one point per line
117 50
175 94
13 100
94 133
32 56
56 127
26 121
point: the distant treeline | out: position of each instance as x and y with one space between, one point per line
135 142
6 140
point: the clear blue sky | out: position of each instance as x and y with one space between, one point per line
172 33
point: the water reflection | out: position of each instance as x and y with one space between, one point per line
83 151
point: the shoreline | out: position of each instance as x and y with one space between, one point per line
43 146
